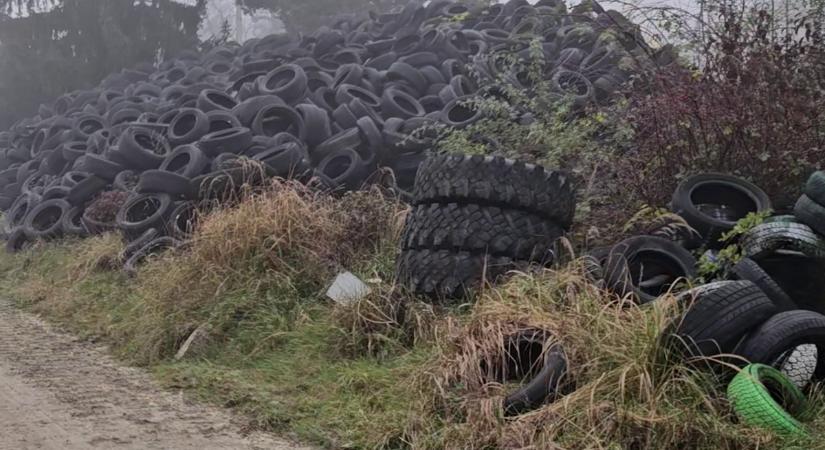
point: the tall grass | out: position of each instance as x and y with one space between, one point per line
388 371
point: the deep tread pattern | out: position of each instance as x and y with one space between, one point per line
784 332
480 229
748 269
494 180
800 364
720 316
754 404
442 274
769 237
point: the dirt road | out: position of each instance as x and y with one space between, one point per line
59 393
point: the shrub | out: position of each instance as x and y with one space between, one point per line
755 109
104 208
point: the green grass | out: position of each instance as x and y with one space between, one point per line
389 371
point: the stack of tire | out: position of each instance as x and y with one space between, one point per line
334 105
477 217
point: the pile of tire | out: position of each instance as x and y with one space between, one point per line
477 217
334 106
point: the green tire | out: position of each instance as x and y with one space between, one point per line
764 397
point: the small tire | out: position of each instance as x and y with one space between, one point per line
763 397
629 263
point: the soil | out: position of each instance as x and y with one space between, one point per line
59 392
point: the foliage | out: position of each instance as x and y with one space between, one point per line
755 108
104 208
713 266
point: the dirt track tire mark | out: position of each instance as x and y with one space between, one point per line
57 392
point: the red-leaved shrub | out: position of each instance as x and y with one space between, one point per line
755 109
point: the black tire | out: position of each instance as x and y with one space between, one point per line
17 241
249 108
233 140
343 169
44 221
442 274
541 387
732 197
720 315
630 264
461 113
85 190
499 232
188 126
287 160
810 213
142 148
815 187
767 238
748 269
274 119
138 243
55 191
215 100
349 138
126 181
316 124
784 332
142 212
288 81
183 221
154 246
161 181
396 103
222 120
496 181
187 160
72 223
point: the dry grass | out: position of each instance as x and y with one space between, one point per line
388 371
621 389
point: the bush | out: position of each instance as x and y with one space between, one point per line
104 208
756 109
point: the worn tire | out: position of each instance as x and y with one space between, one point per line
720 315
767 238
479 229
740 196
496 181
810 213
44 221
161 181
757 404
783 333
630 258
815 187
142 212
748 269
